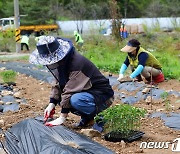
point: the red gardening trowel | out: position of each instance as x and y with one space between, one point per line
50 115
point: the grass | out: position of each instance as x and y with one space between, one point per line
8 76
9 58
167 52
105 53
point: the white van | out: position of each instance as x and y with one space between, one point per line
7 23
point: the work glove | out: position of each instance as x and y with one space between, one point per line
120 77
56 122
49 111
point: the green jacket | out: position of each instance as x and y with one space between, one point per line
78 37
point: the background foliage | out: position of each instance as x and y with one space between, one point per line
104 51
50 11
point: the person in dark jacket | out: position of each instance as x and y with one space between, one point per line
142 63
79 87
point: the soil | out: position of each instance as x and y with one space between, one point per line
37 95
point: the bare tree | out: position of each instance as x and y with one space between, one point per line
126 3
116 19
98 12
78 9
55 8
154 9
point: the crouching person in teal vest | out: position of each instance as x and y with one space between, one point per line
142 63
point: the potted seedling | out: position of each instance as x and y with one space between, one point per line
121 122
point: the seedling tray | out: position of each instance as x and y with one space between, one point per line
118 136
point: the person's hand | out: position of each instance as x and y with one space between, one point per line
120 77
58 121
134 80
49 111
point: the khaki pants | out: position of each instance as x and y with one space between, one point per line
146 73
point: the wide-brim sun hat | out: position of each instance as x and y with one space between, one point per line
50 50
131 46
128 49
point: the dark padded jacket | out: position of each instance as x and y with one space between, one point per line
83 75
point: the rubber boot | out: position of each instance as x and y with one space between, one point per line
159 78
85 120
99 125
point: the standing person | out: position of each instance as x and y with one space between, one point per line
142 63
78 39
25 42
79 86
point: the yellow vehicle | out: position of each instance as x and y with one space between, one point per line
8 23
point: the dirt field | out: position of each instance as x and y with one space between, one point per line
37 95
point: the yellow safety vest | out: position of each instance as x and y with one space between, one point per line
25 39
151 60
77 35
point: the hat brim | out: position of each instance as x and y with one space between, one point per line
59 54
128 49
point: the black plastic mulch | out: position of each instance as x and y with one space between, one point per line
31 136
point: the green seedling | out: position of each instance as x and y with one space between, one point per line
164 96
122 118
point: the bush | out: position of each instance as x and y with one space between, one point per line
122 118
7 41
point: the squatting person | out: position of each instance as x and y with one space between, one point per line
79 87
142 63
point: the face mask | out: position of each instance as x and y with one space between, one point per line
60 69
59 72
130 54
